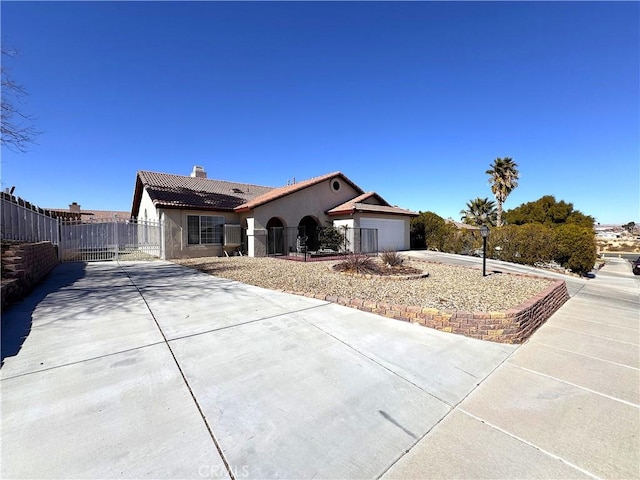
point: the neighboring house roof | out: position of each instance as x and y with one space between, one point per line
179 191
361 204
461 225
104 214
89 215
276 193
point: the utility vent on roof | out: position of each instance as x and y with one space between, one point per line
198 172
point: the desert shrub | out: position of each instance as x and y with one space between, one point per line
575 247
391 258
356 263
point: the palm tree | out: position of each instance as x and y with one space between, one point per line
480 211
503 178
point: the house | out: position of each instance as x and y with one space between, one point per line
75 213
207 217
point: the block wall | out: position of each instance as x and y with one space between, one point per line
511 326
23 267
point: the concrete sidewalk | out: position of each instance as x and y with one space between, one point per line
565 405
153 370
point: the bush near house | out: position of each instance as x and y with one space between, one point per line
331 238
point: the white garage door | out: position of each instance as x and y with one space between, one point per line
390 232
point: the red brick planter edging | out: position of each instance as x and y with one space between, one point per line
511 326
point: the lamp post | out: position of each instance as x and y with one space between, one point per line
484 231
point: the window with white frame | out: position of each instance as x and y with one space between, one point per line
205 229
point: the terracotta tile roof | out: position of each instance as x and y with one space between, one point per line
179 191
289 189
359 204
347 207
370 208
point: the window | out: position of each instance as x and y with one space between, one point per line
204 229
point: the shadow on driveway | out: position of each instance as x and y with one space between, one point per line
18 318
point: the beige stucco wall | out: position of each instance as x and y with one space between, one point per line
312 201
175 234
146 205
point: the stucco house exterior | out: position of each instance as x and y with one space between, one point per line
207 217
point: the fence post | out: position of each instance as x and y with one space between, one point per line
58 235
115 237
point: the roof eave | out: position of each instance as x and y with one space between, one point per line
348 211
137 197
169 206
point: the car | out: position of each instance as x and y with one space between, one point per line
636 266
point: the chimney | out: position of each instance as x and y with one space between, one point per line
198 172
74 208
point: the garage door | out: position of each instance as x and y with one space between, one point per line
390 232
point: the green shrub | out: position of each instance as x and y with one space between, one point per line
503 243
575 247
526 244
427 230
459 240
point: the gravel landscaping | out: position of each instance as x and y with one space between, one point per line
447 287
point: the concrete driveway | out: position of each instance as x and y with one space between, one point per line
152 370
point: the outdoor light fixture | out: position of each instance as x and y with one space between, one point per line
484 231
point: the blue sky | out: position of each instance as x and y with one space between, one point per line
413 100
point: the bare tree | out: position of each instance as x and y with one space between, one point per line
17 130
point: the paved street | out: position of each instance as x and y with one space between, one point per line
152 370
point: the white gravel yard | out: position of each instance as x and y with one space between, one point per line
447 287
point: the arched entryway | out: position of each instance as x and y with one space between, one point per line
308 227
275 236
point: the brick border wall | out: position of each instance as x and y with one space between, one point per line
24 266
511 326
